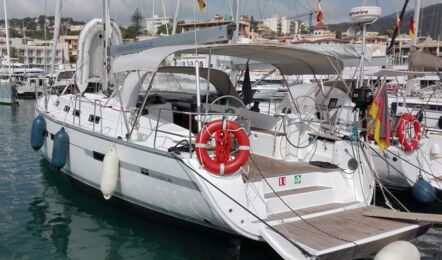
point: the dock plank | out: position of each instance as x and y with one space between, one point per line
390 214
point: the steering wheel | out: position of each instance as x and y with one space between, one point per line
306 113
243 111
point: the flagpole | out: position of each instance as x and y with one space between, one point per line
417 8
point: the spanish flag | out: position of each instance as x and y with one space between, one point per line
201 4
379 113
398 21
319 14
411 28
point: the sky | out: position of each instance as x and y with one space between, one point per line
335 10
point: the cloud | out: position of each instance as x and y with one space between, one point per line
121 10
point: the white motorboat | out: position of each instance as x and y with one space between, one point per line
32 88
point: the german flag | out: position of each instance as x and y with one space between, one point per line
201 4
379 113
319 13
411 28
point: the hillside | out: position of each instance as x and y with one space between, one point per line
431 22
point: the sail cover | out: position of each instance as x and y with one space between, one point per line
424 61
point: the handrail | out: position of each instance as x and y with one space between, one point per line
190 114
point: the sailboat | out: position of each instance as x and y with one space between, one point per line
217 165
412 162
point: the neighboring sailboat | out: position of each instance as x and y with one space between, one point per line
7 87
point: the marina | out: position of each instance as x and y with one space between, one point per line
259 139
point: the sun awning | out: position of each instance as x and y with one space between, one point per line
290 60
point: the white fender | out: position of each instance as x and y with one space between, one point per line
110 172
435 150
398 250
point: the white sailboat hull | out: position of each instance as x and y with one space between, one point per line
149 179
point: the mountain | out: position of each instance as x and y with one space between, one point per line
430 22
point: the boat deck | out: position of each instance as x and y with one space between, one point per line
349 234
270 167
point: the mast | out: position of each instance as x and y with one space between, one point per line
57 18
175 18
237 21
45 43
8 51
417 9
153 16
26 46
165 19
107 33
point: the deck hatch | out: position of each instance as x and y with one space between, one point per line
66 109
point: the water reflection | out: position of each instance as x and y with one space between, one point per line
78 225
43 216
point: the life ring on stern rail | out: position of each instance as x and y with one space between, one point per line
221 130
401 132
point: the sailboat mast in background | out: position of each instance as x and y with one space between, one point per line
56 34
417 9
8 51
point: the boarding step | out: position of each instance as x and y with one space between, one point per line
294 191
342 235
265 167
310 211
299 198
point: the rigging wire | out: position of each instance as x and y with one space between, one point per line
369 158
259 9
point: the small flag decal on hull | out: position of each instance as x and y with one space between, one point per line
281 181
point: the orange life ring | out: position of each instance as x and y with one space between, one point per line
221 130
401 128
